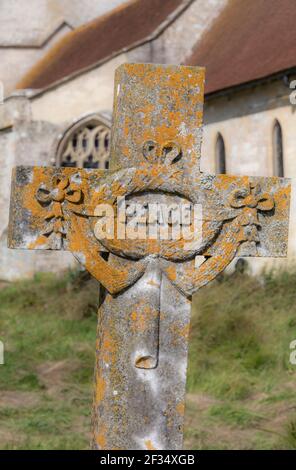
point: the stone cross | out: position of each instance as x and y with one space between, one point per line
142 338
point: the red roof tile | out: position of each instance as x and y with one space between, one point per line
125 26
250 40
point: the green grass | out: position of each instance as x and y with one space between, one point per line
238 416
239 355
241 386
49 320
241 331
290 435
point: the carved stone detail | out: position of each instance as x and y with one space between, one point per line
67 200
251 200
61 190
166 154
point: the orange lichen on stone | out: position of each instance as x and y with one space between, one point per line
101 438
108 348
282 201
149 445
180 408
100 389
222 182
179 333
152 283
41 241
172 272
142 317
82 241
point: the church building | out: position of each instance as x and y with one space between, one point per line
57 72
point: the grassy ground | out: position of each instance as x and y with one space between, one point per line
241 386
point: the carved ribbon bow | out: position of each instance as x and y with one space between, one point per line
251 200
62 191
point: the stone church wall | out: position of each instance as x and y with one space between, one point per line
23 142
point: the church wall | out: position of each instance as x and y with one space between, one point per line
245 119
89 92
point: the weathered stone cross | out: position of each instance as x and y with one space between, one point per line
142 341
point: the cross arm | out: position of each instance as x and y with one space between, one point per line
242 216
52 209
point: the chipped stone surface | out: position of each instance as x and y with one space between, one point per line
141 352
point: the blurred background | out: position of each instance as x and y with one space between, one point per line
57 63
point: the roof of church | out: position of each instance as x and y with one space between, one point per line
128 25
250 40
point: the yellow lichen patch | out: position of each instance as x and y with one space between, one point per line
142 316
40 242
82 241
171 272
180 408
171 110
282 201
101 438
149 445
100 389
222 182
108 348
179 333
152 283
125 150
127 125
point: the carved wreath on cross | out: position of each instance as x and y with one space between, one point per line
70 219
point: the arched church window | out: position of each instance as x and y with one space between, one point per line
86 144
278 157
220 155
